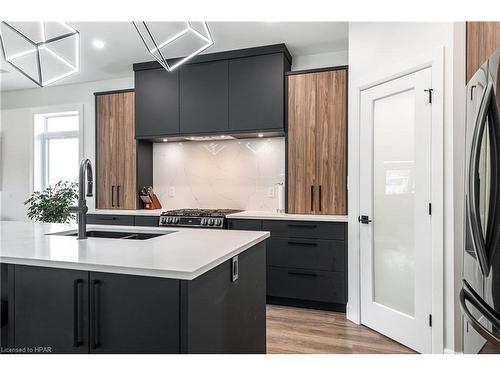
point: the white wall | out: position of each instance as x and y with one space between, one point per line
373 46
320 60
17 110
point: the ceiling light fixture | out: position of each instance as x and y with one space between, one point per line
260 135
159 49
43 54
99 44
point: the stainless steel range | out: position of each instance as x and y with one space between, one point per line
200 218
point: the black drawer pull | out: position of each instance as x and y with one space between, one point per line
307 274
308 226
296 243
107 218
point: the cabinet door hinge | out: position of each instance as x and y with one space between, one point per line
430 208
430 94
430 320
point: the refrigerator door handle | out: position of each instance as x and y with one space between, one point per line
473 209
468 294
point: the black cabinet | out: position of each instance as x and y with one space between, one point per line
244 224
51 310
133 314
306 261
204 97
239 93
146 221
101 219
256 93
156 103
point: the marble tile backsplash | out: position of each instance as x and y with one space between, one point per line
219 174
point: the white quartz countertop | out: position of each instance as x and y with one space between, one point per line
267 215
182 254
258 215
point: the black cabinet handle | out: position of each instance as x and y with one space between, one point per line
297 243
112 195
308 226
118 196
77 308
312 198
320 198
107 218
95 314
300 273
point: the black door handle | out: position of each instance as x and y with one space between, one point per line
112 195
118 196
363 219
298 243
95 314
77 308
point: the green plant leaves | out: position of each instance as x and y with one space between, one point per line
52 204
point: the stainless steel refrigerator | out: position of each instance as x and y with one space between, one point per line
480 293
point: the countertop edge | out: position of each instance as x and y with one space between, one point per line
132 270
251 215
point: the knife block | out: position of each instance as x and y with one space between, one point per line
153 204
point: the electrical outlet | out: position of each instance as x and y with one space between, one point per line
270 192
171 191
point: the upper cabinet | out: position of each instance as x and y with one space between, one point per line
483 38
156 103
203 97
234 92
317 143
256 92
118 153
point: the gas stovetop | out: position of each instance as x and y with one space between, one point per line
192 217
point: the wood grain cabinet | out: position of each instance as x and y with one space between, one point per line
317 139
116 151
483 38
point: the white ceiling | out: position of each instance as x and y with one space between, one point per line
123 46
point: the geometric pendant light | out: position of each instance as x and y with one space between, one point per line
44 52
165 40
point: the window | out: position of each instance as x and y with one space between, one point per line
57 148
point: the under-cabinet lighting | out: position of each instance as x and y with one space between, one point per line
209 138
260 135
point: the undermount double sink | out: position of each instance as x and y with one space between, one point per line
135 235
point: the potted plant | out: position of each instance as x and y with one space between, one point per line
52 204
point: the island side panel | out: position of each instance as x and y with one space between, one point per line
7 307
222 316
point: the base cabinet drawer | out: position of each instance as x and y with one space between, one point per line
306 285
244 224
305 229
147 221
321 255
110 219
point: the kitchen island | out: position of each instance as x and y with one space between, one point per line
183 291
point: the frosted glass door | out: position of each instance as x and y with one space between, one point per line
394 201
395 186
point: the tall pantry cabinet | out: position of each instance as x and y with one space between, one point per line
317 142
116 151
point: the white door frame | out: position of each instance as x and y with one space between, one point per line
435 61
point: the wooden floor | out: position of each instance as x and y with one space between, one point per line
293 330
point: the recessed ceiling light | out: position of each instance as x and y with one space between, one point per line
260 135
99 44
